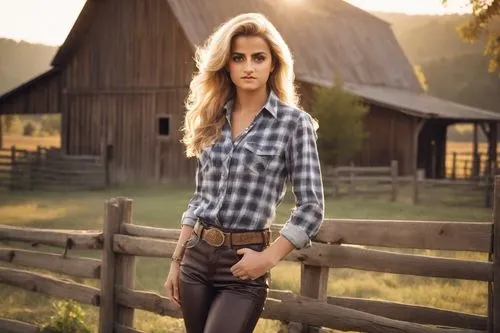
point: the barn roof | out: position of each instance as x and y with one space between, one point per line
417 104
32 84
420 104
328 38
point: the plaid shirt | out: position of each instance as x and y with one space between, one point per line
239 184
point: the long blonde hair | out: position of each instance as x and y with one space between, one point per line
211 86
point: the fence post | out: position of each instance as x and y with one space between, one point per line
352 189
1 133
494 287
336 182
107 301
12 166
34 167
394 176
454 166
313 283
125 267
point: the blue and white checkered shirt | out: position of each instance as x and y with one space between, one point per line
239 184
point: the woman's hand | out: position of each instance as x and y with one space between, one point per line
254 264
171 285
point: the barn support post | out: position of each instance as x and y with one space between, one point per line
492 147
1 133
475 155
491 166
417 127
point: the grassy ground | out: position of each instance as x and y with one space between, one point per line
29 142
162 206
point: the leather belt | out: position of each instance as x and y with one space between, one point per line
217 238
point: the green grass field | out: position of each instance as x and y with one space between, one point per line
162 206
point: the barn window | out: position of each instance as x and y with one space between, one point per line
163 126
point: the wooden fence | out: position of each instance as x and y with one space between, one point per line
49 169
357 179
121 241
463 165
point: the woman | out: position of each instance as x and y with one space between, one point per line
249 137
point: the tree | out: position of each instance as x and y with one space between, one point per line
340 117
29 129
421 77
483 12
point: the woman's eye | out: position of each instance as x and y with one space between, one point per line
237 58
260 58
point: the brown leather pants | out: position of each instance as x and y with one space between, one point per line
213 300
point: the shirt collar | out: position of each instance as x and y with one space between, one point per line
271 105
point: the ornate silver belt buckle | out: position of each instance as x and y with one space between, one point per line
214 237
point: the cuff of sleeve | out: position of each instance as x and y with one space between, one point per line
295 235
188 219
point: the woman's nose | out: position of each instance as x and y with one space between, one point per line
248 67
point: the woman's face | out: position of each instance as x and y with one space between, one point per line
250 63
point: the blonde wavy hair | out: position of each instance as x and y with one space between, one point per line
211 86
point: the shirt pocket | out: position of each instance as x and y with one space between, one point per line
259 157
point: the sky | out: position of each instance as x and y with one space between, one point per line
49 21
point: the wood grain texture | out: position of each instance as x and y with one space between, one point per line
57 263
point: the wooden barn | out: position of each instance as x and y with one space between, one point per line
121 77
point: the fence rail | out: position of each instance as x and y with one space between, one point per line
121 241
48 168
334 179
464 165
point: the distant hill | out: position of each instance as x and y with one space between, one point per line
21 61
430 37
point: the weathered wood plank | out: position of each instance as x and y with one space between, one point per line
339 257
125 329
107 310
359 169
15 326
152 232
72 239
316 313
400 311
65 289
142 246
412 313
455 236
148 301
74 266
125 266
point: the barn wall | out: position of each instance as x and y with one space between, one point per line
123 76
389 137
389 134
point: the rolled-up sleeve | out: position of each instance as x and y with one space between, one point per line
189 217
304 172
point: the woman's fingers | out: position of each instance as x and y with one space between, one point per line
172 291
175 287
